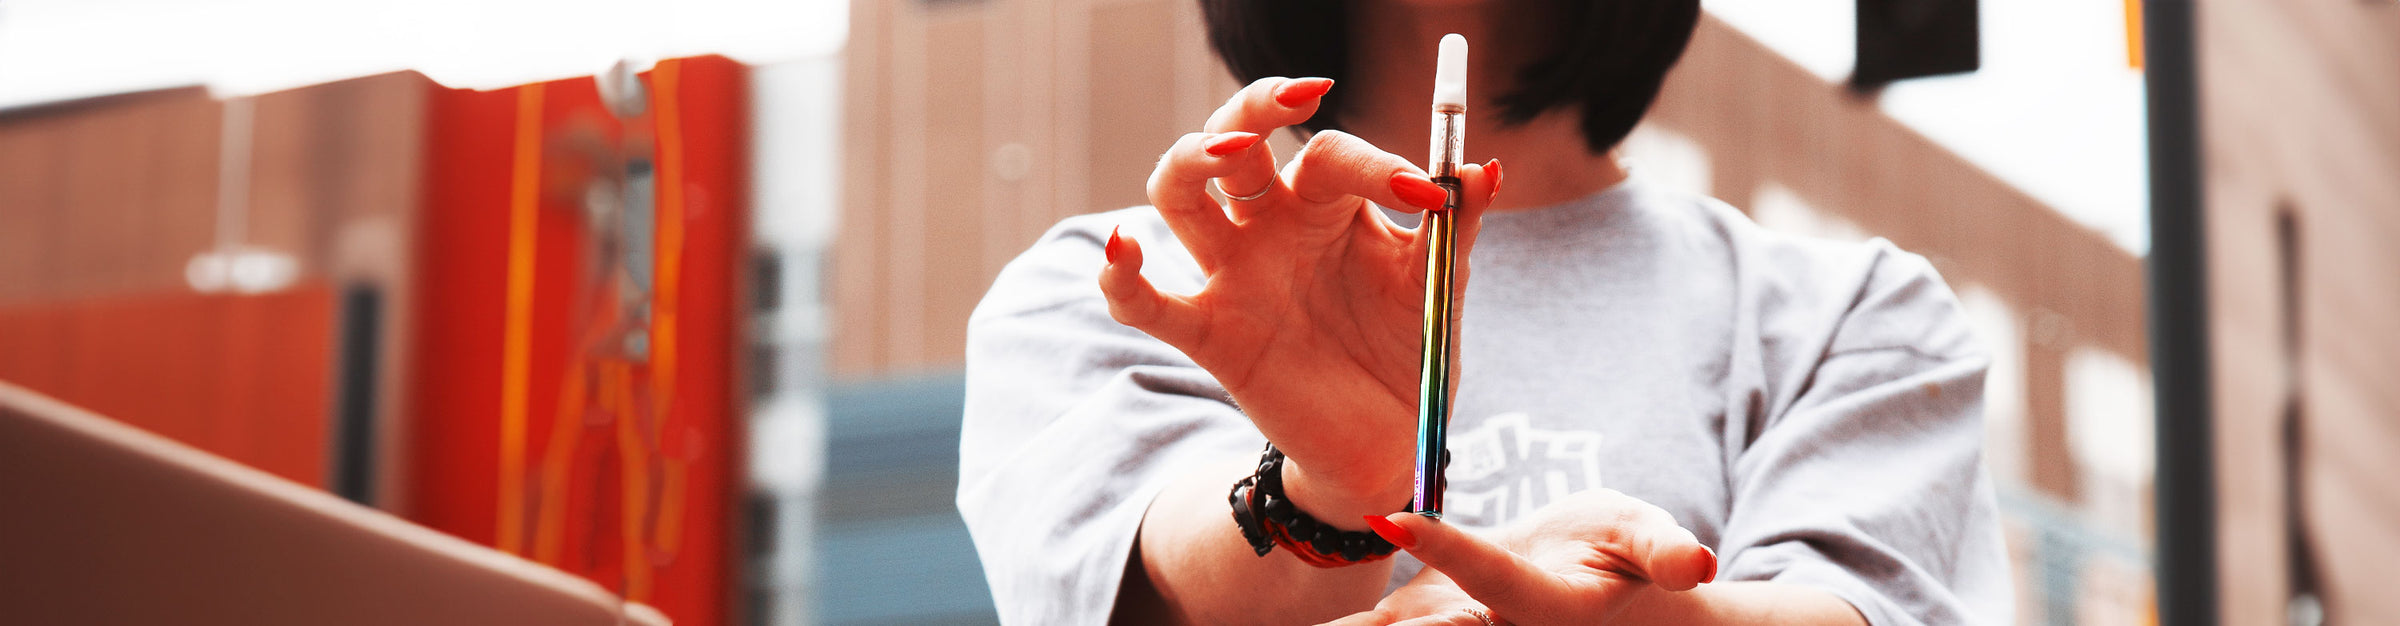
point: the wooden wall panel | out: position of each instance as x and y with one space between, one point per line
2300 106
332 155
970 128
857 271
105 196
959 177
104 202
1132 49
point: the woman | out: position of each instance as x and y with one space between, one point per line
1654 393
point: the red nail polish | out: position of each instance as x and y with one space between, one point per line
1111 248
1299 91
1712 566
1416 190
1493 167
1391 532
1229 143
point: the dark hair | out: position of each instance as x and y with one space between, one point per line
1610 56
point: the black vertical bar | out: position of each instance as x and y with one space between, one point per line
2179 349
354 397
2302 603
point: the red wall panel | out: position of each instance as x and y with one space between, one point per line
672 475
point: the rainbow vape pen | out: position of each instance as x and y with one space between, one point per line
1433 393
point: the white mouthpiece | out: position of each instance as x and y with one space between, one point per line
1450 72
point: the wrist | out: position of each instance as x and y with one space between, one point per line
1269 518
1343 505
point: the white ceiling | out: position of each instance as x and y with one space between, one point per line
61 49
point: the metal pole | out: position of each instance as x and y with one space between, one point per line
2179 349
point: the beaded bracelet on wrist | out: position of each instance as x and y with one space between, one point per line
1268 519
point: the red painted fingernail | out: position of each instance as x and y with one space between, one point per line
1417 190
1299 91
1229 143
1712 566
1111 248
1493 166
1391 532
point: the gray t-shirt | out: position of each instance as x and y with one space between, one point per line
1810 409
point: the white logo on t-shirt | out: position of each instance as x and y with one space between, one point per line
1506 468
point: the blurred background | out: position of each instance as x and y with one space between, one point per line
672 296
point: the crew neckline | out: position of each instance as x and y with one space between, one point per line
1572 219
1532 224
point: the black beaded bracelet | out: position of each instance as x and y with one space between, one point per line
1267 517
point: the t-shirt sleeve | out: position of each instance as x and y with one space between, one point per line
1074 422
1867 480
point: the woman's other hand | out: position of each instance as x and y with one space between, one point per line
1312 310
1587 559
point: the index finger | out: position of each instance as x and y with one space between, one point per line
1336 165
1489 573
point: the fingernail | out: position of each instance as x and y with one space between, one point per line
1299 91
1111 248
1391 532
1712 566
1418 190
1493 166
1229 143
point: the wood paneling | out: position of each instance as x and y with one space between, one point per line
104 202
970 128
107 196
2300 106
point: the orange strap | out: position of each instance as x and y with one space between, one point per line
525 188
666 83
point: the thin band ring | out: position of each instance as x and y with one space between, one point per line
1262 191
1486 617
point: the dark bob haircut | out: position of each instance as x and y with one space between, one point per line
1609 57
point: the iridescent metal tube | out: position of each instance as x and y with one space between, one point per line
1433 393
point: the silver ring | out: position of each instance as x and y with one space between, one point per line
1486 617
1262 191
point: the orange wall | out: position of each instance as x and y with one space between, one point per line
245 377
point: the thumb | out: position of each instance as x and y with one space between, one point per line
1678 562
1667 553
1498 578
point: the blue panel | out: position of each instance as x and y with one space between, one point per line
891 548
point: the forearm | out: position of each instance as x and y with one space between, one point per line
1202 571
1744 603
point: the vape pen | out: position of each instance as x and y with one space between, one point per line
1433 392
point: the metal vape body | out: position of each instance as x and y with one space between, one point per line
1441 255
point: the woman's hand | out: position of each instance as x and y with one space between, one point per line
1586 559
1312 312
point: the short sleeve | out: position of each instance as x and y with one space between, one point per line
1074 423
1869 481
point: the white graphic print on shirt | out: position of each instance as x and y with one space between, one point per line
1505 468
